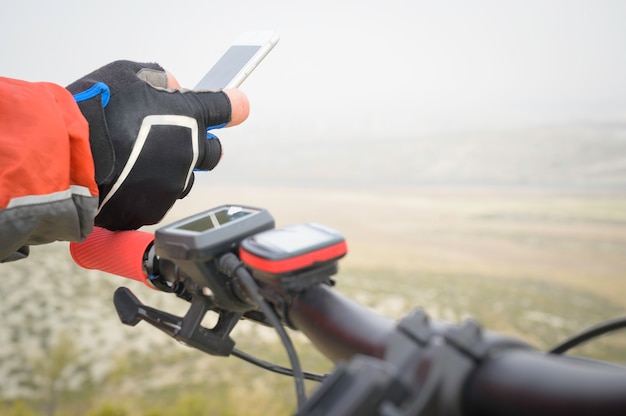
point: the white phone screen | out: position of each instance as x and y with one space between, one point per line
229 65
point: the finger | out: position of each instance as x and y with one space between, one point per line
212 153
240 106
172 82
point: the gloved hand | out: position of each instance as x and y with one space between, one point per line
146 139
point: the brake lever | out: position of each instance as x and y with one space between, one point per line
188 329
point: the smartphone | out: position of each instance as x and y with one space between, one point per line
239 60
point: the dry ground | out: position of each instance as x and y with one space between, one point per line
533 264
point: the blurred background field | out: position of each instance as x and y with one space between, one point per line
536 264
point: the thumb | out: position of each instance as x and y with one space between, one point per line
172 82
238 100
240 106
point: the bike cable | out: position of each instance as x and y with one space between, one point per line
230 262
589 334
275 368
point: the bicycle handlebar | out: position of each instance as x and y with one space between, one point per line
337 326
527 382
414 366
504 376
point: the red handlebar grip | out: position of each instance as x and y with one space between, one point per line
117 252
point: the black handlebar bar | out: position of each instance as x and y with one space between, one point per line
502 376
337 326
535 383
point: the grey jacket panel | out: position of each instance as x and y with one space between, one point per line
62 216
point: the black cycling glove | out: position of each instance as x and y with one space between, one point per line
146 140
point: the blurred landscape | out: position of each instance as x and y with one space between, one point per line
522 229
574 157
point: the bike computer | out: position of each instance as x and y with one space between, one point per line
193 243
209 233
292 248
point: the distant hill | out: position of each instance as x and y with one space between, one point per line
584 158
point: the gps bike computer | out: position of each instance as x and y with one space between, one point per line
194 242
207 234
292 248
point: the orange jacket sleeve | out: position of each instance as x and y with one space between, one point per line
47 181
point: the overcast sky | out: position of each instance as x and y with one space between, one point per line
352 68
